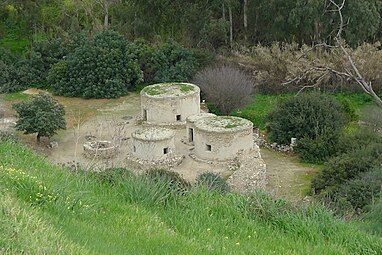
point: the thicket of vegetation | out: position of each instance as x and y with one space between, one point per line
195 23
45 209
103 66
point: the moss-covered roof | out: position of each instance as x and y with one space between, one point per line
153 134
223 124
170 90
196 117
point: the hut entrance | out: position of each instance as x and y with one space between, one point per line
144 115
191 134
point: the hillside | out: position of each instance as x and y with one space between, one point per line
49 210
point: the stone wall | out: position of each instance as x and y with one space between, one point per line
153 150
222 146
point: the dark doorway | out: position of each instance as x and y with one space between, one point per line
144 115
178 117
191 134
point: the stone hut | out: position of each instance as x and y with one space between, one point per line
190 124
220 138
169 103
153 143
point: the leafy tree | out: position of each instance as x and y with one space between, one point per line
172 62
105 67
42 115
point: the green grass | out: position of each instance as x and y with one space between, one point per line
49 210
258 110
16 96
373 219
15 44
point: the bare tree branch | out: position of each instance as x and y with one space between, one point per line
352 73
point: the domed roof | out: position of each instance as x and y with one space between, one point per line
153 134
168 90
223 124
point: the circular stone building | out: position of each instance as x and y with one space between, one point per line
220 138
190 124
153 143
169 103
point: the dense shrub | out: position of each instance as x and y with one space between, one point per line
354 195
172 62
306 116
43 55
19 72
144 53
104 67
319 149
347 166
213 182
226 87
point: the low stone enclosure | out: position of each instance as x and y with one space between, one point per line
169 103
100 149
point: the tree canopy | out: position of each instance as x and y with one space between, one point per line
42 115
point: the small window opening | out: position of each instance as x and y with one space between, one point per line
178 117
165 150
134 149
208 147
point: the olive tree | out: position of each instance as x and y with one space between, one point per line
42 115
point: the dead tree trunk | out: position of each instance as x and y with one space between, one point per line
354 72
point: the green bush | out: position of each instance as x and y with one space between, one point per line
305 116
347 166
320 149
213 182
19 72
104 67
172 62
362 191
43 55
144 53
355 195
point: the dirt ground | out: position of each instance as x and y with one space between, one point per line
115 120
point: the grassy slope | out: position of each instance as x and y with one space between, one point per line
46 210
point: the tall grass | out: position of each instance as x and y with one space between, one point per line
120 213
